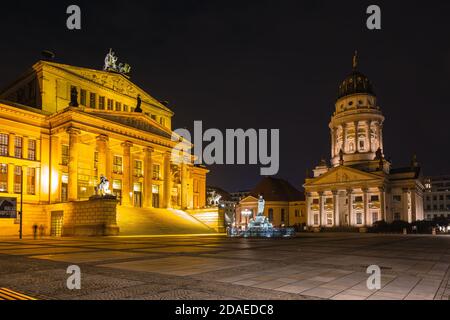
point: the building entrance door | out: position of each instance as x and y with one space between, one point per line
57 219
137 199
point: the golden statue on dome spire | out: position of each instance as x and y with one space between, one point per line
355 60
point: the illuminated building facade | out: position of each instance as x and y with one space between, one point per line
360 187
284 205
65 126
437 197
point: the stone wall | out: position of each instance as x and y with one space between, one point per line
81 218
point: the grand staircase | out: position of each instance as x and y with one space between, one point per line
139 221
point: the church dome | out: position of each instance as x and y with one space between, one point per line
355 82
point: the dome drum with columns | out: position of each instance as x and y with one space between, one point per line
360 188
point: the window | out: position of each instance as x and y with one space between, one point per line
434 198
125 108
31 181
316 219
351 147
359 218
117 165
441 197
329 219
137 168
448 197
397 216
270 215
374 216
101 103
329 200
316 201
118 106
17 179
4 178
110 104
397 198
92 100
18 147
361 144
297 213
434 207
428 207
358 199
153 117
374 198
4 138
441 207
283 216
64 155
156 171
162 121
32 150
83 97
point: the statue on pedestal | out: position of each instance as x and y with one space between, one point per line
103 187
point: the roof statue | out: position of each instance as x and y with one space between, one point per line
112 65
138 104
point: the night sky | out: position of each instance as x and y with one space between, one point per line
260 64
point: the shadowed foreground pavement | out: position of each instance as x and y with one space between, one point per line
312 266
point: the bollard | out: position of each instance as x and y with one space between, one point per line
405 231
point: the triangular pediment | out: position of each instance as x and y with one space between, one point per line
343 174
248 199
110 80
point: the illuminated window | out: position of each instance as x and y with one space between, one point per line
17 179
18 147
4 138
101 103
137 168
329 219
118 106
92 100
117 165
156 171
31 181
110 104
4 178
32 150
83 97
374 216
65 155
359 218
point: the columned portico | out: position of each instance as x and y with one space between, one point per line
167 181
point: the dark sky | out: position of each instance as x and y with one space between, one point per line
260 64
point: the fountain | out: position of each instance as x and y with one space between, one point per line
260 227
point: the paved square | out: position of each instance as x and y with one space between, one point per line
311 266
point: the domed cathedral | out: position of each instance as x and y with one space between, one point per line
359 187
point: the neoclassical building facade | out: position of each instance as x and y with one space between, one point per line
65 126
360 187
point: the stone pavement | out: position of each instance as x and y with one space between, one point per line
311 266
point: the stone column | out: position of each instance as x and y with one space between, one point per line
55 174
366 207
336 208
11 168
148 177
350 206
25 147
102 148
356 123
368 139
167 180
11 144
322 215
74 144
378 135
309 215
380 132
405 210
127 192
344 137
333 142
183 175
383 203
413 205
